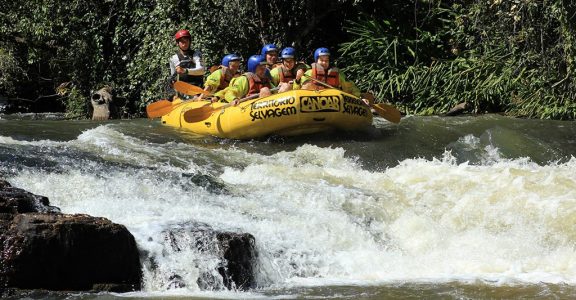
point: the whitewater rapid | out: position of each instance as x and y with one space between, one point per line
318 215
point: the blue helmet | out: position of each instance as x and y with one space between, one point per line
320 52
230 57
288 52
268 48
254 61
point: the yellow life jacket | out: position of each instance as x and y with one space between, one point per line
226 77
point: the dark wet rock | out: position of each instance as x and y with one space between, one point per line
68 252
234 251
238 251
19 294
210 183
41 248
17 201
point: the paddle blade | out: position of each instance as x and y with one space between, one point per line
198 114
188 89
158 108
388 112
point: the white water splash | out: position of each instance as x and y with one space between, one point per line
320 218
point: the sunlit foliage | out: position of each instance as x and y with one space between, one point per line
425 56
498 56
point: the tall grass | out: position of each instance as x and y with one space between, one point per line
515 57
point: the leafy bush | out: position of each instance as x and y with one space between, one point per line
126 43
11 72
516 56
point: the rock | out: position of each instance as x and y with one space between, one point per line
41 248
210 183
102 104
235 251
17 201
3 104
68 252
18 294
239 253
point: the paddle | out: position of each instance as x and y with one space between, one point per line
188 89
162 107
386 111
158 108
204 112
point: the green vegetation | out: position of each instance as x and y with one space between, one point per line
425 56
498 56
11 71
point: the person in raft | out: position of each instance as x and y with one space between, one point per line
321 70
219 80
270 53
186 65
285 74
252 82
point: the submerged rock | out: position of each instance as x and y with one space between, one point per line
40 248
238 251
232 255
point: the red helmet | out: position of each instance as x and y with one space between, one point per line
182 33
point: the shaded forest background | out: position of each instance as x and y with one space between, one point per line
425 56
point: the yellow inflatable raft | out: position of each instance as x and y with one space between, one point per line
289 113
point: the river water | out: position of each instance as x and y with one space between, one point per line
446 208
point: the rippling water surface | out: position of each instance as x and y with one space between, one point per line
464 207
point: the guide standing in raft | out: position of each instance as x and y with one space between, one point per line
186 65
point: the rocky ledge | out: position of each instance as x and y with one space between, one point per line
41 248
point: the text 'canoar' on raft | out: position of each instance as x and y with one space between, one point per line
310 104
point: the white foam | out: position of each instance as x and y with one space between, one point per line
320 218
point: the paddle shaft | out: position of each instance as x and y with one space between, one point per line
386 111
204 112
162 107
189 89
246 98
331 87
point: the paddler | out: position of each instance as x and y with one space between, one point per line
219 80
252 82
286 73
270 53
321 70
